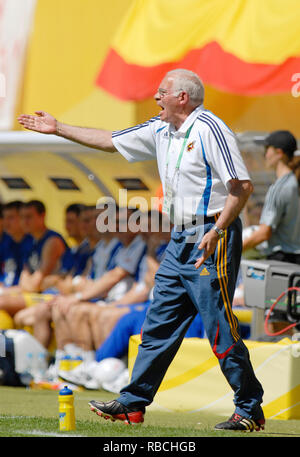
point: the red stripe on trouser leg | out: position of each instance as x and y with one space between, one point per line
220 355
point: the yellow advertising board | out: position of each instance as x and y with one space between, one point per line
194 381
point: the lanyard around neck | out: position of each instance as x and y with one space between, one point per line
182 148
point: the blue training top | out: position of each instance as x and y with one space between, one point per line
74 260
13 255
34 258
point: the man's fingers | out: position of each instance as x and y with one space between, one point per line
30 116
208 248
201 245
23 119
26 118
29 122
199 262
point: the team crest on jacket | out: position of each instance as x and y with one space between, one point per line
190 146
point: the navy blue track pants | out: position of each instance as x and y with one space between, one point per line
180 292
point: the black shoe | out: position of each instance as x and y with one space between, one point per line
241 423
114 410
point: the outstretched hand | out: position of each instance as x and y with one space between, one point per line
40 122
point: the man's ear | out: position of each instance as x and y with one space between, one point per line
184 98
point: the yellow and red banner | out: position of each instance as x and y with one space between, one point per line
246 48
127 53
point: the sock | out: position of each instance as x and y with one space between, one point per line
72 349
59 354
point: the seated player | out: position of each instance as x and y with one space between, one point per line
75 259
16 245
76 263
44 257
106 247
103 246
90 325
111 286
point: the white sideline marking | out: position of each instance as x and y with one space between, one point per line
36 432
16 417
40 433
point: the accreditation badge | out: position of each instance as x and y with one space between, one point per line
168 197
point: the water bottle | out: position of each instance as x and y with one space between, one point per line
26 376
66 410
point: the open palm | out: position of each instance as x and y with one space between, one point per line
40 122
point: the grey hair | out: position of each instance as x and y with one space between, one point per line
189 82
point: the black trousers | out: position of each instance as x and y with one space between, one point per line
285 257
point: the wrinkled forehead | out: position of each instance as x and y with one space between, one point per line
167 82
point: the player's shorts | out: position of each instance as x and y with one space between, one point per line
135 306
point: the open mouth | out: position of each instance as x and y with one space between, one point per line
162 110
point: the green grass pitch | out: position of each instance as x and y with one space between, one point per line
34 413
